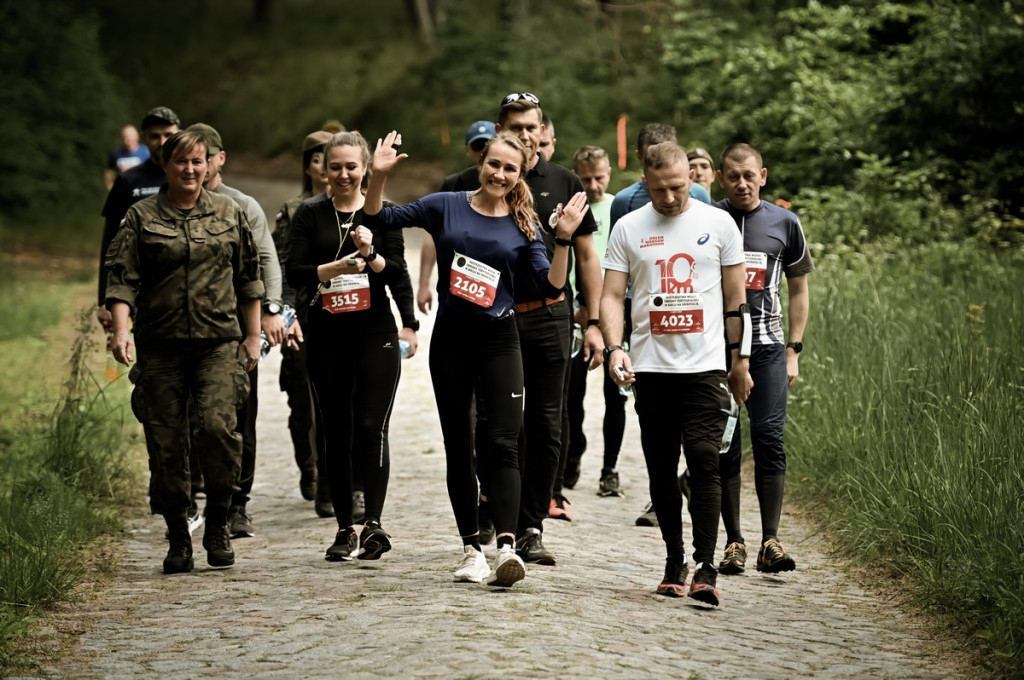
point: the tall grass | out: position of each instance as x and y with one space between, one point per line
910 425
61 480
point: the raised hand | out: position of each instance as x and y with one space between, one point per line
571 215
386 156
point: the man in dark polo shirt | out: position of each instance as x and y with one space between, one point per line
132 186
545 328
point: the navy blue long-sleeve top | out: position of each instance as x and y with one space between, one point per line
457 228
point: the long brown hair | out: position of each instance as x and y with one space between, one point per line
519 198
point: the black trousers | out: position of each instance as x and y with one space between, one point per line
479 355
688 411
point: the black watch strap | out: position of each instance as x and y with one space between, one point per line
609 349
796 346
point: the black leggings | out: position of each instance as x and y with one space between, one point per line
687 410
479 354
354 379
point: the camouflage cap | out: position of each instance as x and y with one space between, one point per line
212 137
698 152
161 115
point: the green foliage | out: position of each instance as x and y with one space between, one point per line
908 421
62 478
58 111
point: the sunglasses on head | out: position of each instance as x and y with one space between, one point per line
516 96
590 154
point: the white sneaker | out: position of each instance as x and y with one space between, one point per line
473 566
508 568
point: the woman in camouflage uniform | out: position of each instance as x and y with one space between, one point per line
183 264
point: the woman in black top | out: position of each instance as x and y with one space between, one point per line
352 342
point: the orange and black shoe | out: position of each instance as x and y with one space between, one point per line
735 560
674 583
703 586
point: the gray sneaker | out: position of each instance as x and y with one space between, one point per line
239 522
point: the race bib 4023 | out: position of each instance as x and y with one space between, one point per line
673 313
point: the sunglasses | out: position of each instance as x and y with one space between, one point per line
590 154
516 96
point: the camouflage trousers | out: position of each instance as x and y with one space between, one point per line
172 378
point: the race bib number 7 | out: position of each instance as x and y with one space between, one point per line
473 281
757 268
347 293
673 313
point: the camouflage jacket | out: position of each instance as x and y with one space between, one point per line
183 275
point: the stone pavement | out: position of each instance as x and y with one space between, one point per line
284 612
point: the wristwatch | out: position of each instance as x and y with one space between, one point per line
797 346
371 256
271 308
611 348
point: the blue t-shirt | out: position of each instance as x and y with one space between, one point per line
457 228
121 159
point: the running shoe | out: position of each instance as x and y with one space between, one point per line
195 517
649 518
508 568
674 583
240 522
217 544
735 561
346 545
530 547
374 541
571 475
702 587
473 567
609 484
773 558
486 522
559 508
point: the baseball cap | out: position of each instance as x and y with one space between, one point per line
213 142
698 152
161 115
315 139
482 129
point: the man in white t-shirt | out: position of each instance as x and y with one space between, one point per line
686 264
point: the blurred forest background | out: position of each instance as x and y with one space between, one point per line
893 128
874 117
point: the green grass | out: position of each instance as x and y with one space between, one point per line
909 424
64 468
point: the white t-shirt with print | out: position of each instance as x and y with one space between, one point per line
675 266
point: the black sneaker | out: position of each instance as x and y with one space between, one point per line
649 518
239 522
609 484
674 583
531 549
735 560
773 558
346 545
374 541
322 502
358 506
571 475
486 521
218 545
702 587
307 484
179 554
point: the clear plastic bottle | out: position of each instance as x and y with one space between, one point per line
405 348
112 371
577 339
730 424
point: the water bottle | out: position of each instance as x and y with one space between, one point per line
730 424
288 316
577 339
112 371
405 348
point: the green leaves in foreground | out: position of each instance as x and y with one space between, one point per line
910 423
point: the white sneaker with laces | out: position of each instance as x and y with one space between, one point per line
473 566
508 568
